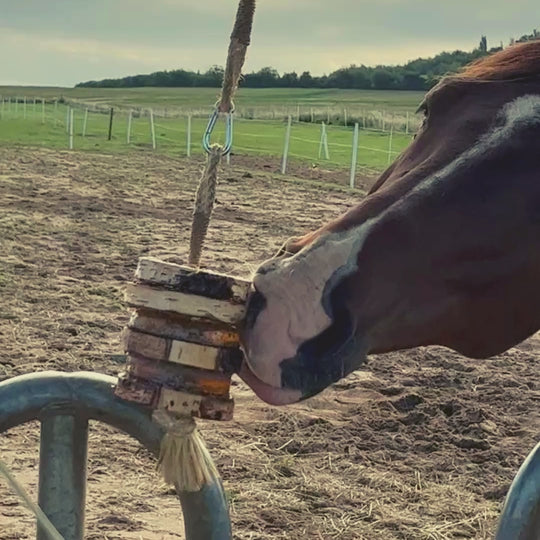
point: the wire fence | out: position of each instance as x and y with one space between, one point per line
333 114
75 125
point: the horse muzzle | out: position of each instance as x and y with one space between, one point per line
282 368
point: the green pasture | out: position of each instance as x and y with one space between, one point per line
251 137
389 100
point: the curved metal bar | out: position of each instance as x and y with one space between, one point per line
520 518
90 396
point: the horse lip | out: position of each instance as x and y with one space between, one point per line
266 392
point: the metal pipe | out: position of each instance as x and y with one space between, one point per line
90 396
520 518
62 473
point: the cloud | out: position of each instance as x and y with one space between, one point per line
66 41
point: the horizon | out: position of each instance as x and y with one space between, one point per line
67 42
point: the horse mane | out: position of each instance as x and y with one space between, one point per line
518 61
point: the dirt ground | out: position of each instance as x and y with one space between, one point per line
418 445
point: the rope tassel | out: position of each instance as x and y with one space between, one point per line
184 460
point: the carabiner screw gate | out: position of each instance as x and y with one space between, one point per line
228 131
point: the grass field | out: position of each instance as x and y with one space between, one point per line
401 101
251 137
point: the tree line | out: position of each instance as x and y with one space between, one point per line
420 74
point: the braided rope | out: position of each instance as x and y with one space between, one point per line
206 192
204 205
240 40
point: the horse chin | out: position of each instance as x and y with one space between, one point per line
267 393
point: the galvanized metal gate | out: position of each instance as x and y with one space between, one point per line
64 403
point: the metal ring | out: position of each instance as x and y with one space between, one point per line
228 131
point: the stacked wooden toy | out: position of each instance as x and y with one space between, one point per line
182 341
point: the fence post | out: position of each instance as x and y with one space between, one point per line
67 118
354 156
324 143
85 122
311 115
383 125
298 113
345 119
34 105
130 120
42 110
24 107
2 109
16 105
111 116
286 146
407 124
390 144
152 129
70 111
188 136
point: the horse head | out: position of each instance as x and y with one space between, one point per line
445 249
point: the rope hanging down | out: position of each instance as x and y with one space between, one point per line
206 192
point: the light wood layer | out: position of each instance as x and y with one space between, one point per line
185 304
192 281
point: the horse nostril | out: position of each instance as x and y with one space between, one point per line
256 303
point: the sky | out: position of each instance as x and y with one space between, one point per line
62 42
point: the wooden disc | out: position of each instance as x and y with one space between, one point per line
181 352
189 305
178 377
173 326
188 280
183 403
150 394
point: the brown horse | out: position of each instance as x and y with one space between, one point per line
444 250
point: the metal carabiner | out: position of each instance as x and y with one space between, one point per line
228 131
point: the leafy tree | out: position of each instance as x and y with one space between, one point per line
289 80
305 80
483 45
383 79
418 74
351 77
267 77
212 78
